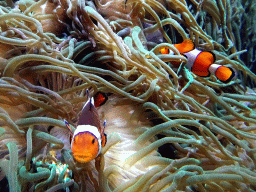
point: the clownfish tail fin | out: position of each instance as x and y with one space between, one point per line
231 77
213 55
234 73
223 73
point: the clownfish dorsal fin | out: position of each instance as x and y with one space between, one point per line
91 103
186 46
89 114
90 100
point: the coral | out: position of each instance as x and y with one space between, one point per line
168 129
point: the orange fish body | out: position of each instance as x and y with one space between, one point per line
89 136
201 62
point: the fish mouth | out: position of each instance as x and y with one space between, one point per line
82 158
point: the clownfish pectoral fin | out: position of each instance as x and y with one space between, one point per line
104 124
97 163
186 46
67 125
103 135
69 128
103 139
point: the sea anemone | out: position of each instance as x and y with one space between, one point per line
168 129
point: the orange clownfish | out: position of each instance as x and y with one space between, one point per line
100 99
89 136
201 62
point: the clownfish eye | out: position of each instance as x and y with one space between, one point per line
93 141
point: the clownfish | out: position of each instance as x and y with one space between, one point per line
100 99
89 136
201 63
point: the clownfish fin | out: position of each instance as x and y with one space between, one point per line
103 139
186 46
91 101
97 163
70 131
67 125
103 134
224 74
89 115
100 99
104 124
